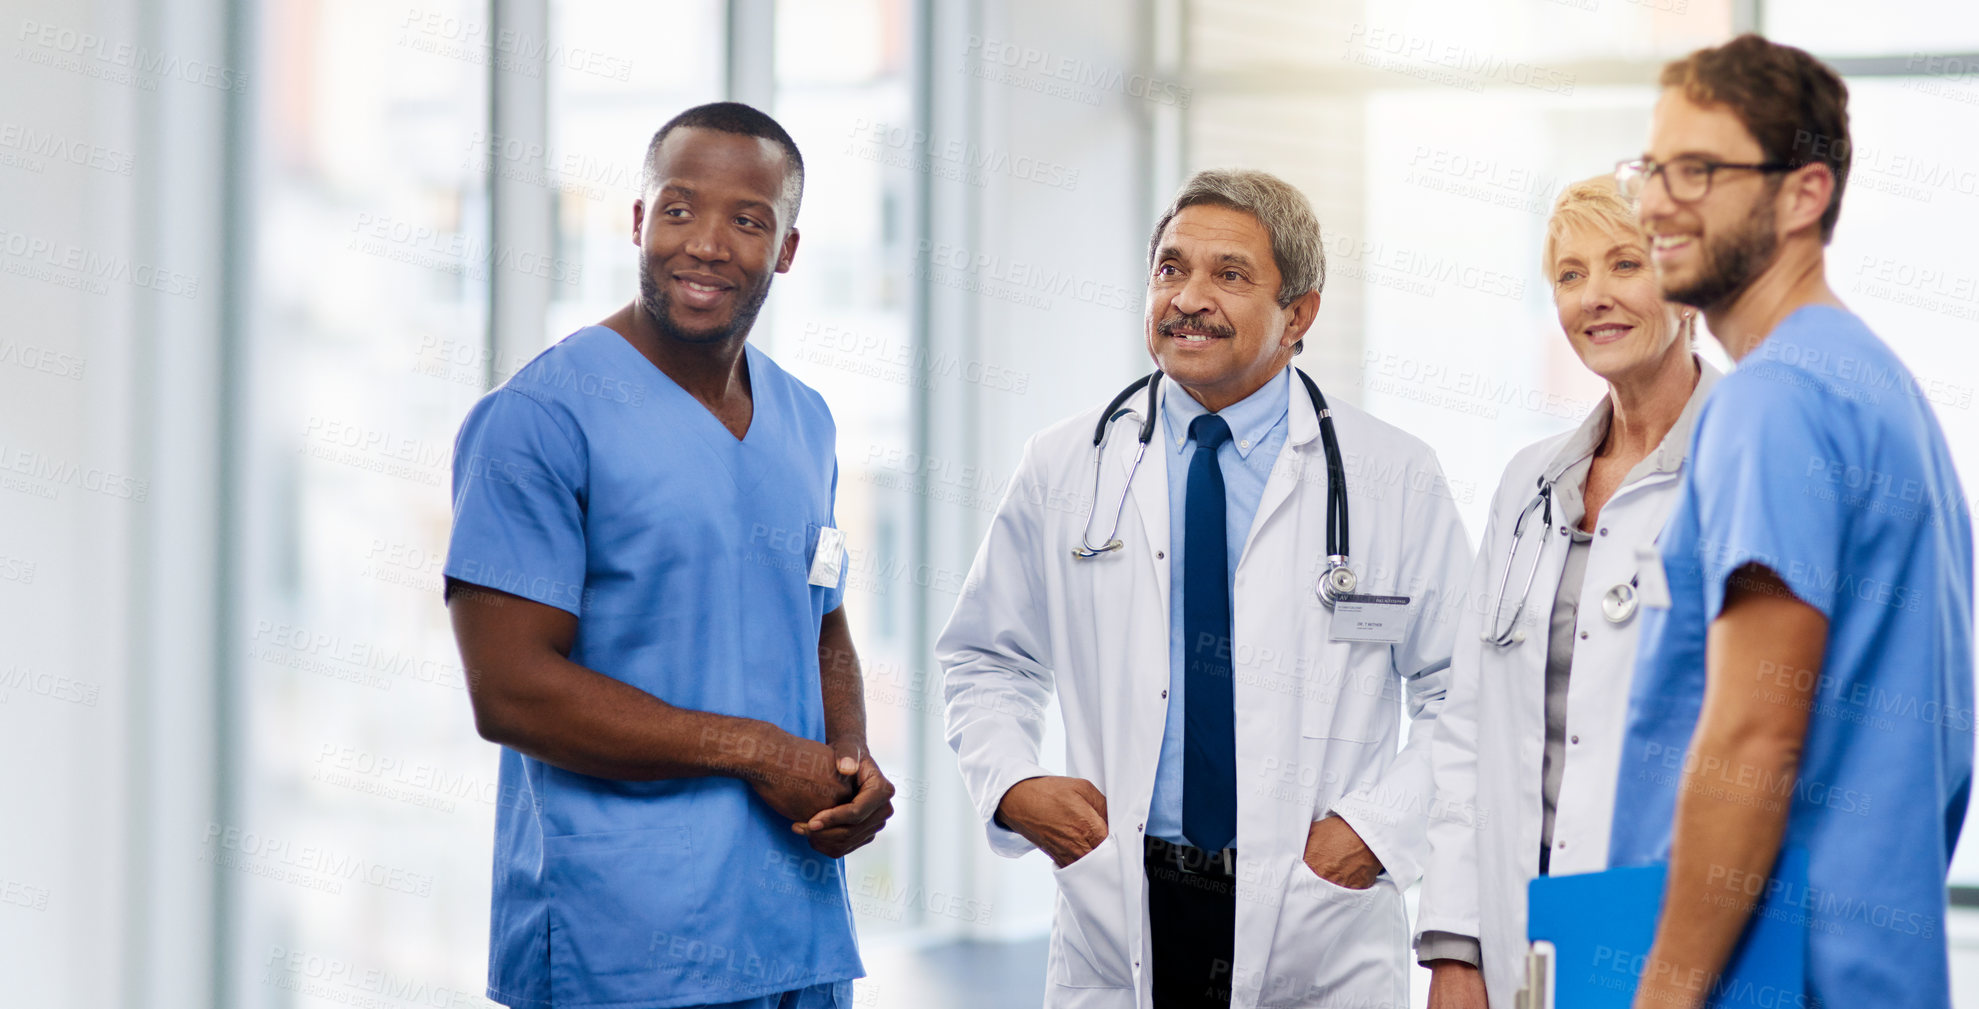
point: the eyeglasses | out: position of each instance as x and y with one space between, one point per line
1687 178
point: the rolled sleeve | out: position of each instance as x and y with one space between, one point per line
1449 946
835 595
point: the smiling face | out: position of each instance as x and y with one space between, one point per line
1708 250
711 233
1214 324
1608 303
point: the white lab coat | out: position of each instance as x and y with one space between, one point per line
1318 723
1491 736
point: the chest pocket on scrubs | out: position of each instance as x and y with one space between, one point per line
825 559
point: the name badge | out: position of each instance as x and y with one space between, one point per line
829 558
1382 620
1651 582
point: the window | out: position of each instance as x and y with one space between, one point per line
602 113
1433 150
360 782
839 322
1917 31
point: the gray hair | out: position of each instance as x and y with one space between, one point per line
1278 205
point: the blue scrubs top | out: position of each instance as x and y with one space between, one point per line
1820 458
592 483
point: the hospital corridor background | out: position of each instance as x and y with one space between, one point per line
258 257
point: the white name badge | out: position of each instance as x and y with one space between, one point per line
1651 582
1382 620
829 558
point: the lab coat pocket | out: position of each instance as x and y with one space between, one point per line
1089 930
1330 767
1336 946
603 915
1348 692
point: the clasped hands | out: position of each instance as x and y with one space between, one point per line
833 793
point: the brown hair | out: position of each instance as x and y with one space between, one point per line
1795 105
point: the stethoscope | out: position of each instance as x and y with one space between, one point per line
1618 604
1336 581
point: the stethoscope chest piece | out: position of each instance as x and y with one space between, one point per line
1618 603
1338 580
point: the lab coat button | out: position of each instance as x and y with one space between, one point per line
1159 554
1574 740
1583 635
1604 530
1164 693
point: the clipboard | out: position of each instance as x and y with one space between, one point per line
1599 927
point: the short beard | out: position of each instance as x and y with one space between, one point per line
1731 262
653 300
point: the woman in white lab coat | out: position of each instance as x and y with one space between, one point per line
1528 743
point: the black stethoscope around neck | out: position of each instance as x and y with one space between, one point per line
1336 581
1618 604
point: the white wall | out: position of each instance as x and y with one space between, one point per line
110 178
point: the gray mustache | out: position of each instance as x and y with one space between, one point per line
1168 326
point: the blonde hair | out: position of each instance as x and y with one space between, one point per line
1597 204
1590 203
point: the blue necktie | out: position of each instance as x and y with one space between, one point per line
1209 732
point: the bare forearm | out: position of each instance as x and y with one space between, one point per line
579 720
1738 781
843 683
1729 825
529 696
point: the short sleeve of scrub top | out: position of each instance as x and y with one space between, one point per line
1750 492
835 594
518 503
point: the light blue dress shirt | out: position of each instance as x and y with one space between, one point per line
1257 432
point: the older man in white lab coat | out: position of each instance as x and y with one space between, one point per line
1239 814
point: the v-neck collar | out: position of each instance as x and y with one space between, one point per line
753 367
739 456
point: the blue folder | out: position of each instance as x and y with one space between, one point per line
1601 925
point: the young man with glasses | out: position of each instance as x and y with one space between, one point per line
1809 685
